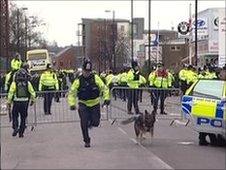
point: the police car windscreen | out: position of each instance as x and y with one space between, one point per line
37 56
209 89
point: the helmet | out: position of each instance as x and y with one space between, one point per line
87 65
21 75
134 64
17 55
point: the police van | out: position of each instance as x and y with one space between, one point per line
205 104
38 59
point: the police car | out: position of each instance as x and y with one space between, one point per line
205 104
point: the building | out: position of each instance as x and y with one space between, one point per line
209 45
105 42
170 49
69 58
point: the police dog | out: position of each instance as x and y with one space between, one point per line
144 125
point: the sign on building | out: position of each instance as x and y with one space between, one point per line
202 28
222 37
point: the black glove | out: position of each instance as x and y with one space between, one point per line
72 107
106 102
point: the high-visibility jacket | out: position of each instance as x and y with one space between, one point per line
182 74
191 77
90 101
13 93
210 75
16 64
109 79
48 81
123 78
134 79
160 79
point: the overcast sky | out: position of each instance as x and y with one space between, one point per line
62 17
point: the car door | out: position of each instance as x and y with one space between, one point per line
207 106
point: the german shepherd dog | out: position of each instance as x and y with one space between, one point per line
144 124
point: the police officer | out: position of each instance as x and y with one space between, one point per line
19 94
88 87
16 63
161 80
183 77
48 83
134 81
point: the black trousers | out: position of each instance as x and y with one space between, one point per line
133 96
19 108
48 97
159 94
89 116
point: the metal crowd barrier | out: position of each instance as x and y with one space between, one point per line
60 110
118 108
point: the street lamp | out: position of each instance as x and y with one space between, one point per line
113 32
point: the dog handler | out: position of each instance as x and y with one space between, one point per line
88 87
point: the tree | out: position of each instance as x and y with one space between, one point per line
23 34
122 50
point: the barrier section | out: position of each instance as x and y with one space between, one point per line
49 107
122 98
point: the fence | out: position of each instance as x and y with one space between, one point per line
120 96
60 111
118 109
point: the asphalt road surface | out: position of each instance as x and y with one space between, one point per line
59 146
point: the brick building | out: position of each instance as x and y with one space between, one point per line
69 58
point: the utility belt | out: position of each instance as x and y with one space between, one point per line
48 88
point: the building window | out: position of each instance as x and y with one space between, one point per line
178 48
175 48
122 28
172 48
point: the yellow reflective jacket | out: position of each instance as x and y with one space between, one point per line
191 76
134 82
123 78
16 64
12 93
210 75
49 81
160 81
72 96
182 74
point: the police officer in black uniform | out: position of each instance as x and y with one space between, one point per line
20 92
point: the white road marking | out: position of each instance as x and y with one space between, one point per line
161 162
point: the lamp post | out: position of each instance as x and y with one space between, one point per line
149 34
132 30
196 34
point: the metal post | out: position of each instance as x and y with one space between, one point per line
132 30
25 36
149 34
113 50
190 36
196 35
18 32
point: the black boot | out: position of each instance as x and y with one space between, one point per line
15 131
87 145
202 139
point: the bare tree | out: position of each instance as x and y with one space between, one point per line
22 31
122 50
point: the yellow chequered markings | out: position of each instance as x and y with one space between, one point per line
204 107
